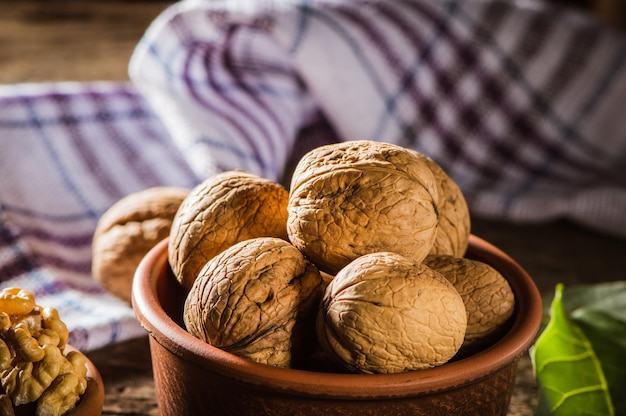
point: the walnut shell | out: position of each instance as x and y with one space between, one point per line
488 297
225 209
353 198
453 232
127 231
384 313
258 300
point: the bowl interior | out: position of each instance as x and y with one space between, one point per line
158 301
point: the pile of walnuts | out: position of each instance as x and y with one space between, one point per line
361 262
363 257
35 371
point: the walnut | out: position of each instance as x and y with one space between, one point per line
223 210
384 313
16 301
453 232
27 380
353 198
257 299
33 370
127 231
65 390
487 295
25 345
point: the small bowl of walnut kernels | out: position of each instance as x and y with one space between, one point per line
42 375
360 291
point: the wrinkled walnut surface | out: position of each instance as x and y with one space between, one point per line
33 367
386 314
257 299
352 198
223 210
487 295
453 230
127 231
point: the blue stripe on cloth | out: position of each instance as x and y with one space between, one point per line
90 157
489 170
129 148
46 215
213 108
47 143
569 134
357 49
260 110
302 27
516 73
613 69
245 157
18 263
71 119
394 97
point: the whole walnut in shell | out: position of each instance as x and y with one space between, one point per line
453 232
353 198
225 209
258 300
127 231
488 297
384 313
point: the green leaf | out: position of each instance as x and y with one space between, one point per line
608 337
599 309
609 297
569 374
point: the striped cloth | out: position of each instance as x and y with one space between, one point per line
520 102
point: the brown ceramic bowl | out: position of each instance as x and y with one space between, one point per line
91 401
194 378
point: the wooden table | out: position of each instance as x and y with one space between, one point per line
93 40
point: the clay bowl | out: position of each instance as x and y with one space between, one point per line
194 378
91 401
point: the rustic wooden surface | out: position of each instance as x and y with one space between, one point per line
93 40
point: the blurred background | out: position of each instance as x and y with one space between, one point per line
97 37
37 38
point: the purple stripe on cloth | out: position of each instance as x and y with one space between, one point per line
204 52
359 51
379 44
427 108
495 13
13 262
88 153
575 56
537 32
238 73
48 144
66 264
486 40
129 149
65 238
60 143
505 150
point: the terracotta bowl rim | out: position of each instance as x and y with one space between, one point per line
91 401
507 350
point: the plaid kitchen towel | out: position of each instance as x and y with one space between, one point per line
519 101
68 152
